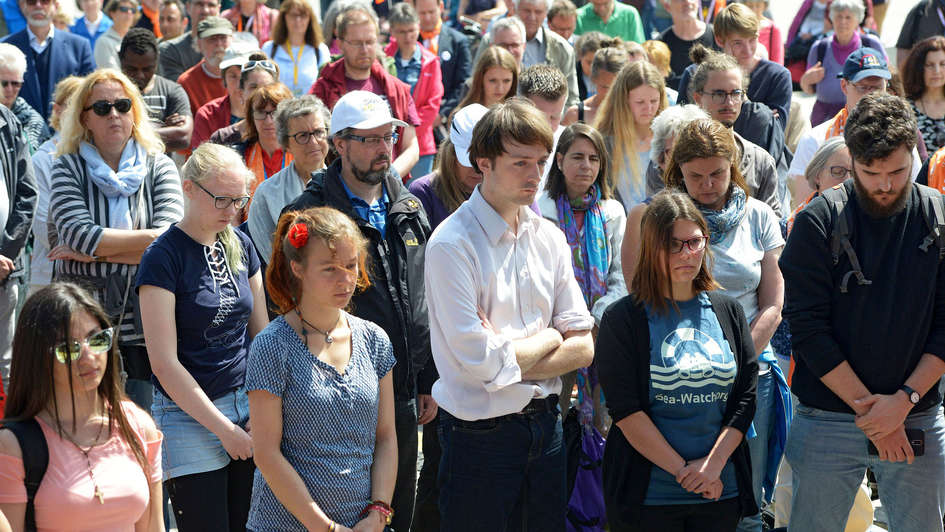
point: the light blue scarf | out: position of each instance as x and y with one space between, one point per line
117 186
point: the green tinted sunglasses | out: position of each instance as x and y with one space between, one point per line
98 343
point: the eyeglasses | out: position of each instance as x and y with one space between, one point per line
103 108
125 9
297 16
840 172
223 202
694 244
867 89
97 343
265 65
35 2
302 137
10 83
375 141
722 96
260 114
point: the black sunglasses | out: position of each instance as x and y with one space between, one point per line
102 107
8 83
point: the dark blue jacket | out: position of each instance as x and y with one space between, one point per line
80 29
456 65
69 55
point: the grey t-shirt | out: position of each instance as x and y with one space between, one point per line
164 99
737 258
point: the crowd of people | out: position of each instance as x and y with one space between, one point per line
592 265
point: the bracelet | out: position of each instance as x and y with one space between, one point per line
333 527
382 508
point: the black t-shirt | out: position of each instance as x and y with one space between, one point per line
164 99
679 49
923 21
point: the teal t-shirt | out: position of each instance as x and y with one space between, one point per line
692 372
624 22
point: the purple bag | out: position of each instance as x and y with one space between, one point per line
585 447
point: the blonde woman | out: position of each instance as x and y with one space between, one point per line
113 192
637 96
202 303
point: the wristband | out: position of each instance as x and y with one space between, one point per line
382 508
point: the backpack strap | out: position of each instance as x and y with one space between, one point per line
837 198
35 460
933 211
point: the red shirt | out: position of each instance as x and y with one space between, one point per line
200 87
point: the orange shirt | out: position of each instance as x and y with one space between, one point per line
155 19
199 86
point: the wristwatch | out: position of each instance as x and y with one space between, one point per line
911 394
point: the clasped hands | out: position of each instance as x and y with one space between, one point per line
701 476
881 418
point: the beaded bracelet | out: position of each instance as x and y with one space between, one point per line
382 507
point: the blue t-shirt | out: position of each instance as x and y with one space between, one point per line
212 306
692 371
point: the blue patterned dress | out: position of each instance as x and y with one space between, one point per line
329 420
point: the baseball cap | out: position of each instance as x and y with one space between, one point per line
863 63
361 110
214 25
461 130
238 54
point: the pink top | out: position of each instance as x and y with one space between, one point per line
65 500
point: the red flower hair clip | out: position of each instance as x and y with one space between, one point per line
298 235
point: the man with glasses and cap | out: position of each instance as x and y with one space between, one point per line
228 109
50 55
363 184
204 81
864 72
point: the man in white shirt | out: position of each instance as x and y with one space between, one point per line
506 320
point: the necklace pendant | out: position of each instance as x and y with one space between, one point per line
100 495
329 339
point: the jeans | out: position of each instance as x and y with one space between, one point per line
828 454
8 301
758 446
502 474
405 489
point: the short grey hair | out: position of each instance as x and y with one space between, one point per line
819 161
507 23
853 6
670 122
296 107
338 7
402 14
12 58
546 2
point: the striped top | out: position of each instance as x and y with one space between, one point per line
80 211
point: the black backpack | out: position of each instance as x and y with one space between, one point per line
933 211
35 460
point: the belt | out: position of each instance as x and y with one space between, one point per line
544 404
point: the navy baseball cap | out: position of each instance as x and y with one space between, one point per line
863 63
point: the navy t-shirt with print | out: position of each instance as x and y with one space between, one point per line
212 306
692 371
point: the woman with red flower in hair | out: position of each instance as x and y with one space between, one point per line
321 394
202 302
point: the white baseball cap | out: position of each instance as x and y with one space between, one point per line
361 110
461 130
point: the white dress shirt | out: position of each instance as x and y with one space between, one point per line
37 46
522 281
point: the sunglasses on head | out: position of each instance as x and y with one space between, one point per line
266 65
103 108
98 343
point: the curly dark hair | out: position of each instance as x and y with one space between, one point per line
879 125
913 69
140 41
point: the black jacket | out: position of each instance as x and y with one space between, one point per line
395 300
622 356
21 189
456 65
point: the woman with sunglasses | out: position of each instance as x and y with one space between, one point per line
104 470
123 14
113 192
297 46
202 303
678 366
746 241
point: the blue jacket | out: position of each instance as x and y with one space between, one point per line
456 65
80 29
69 55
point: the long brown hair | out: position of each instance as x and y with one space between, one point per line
703 139
494 56
325 223
913 68
45 322
556 184
651 281
280 33
445 180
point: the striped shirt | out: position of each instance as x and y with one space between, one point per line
80 211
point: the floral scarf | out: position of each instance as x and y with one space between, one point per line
723 221
590 255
